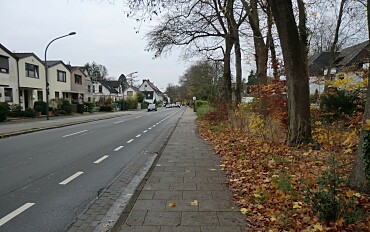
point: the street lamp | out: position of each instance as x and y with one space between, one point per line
46 73
131 77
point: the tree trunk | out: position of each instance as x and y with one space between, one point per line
271 45
227 93
238 69
357 178
299 125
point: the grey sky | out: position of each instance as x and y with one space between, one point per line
104 35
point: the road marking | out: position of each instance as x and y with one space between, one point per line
149 128
153 126
145 131
130 140
119 121
101 159
69 179
138 117
137 136
75 133
118 148
15 213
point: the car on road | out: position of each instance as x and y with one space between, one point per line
169 106
152 107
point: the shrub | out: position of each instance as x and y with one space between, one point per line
16 111
144 105
340 102
66 106
131 103
106 108
89 106
29 113
140 97
124 105
40 106
4 111
80 108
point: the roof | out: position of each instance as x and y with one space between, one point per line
108 85
51 63
153 86
7 51
22 55
74 68
348 55
133 88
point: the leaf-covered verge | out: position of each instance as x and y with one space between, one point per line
281 188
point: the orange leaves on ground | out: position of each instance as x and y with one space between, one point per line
269 180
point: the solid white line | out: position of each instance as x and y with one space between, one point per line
15 213
130 140
137 136
119 121
138 117
69 179
101 159
74 133
118 148
145 131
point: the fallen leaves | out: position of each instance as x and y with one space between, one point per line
172 204
269 180
194 203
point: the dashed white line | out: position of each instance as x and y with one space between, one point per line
15 213
74 133
130 140
120 121
138 117
149 128
69 179
137 136
145 131
101 159
118 148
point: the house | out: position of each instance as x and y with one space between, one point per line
8 76
79 85
151 93
104 90
130 91
349 62
31 79
59 78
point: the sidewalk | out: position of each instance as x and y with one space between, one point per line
22 126
186 190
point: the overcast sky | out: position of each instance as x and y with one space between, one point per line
104 35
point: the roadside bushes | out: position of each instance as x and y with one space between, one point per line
40 106
106 108
80 108
4 111
89 106
341 102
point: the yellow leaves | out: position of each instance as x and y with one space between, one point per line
318 227
172 204
194 203
297 205
245 210
259 206
367 124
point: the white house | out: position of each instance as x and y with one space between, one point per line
151 92
59 76
8 77
31 77
103 91
130 91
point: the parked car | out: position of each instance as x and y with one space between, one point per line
169 105
152 107
178 104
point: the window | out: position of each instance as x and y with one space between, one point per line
78 79
89 88
62 76
130 93
39 95
8 93
32 70
56 94
4 64
100 89
93 88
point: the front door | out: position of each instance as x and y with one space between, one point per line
26 98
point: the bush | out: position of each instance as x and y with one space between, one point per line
40 106
124 105
4 111
340 102
16 111
29 113
80 108
131 103
89 106
106 108
200 103
66 106
144 105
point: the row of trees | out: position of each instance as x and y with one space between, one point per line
217 29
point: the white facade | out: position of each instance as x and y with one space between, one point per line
8 78
147 86
59 77
130 91
32 82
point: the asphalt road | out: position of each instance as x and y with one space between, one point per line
48 178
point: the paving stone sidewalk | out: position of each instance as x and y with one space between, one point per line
186 191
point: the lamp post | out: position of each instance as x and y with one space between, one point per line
131 77
46 72
195 104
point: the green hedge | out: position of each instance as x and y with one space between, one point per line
4 111
106 108
40 106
